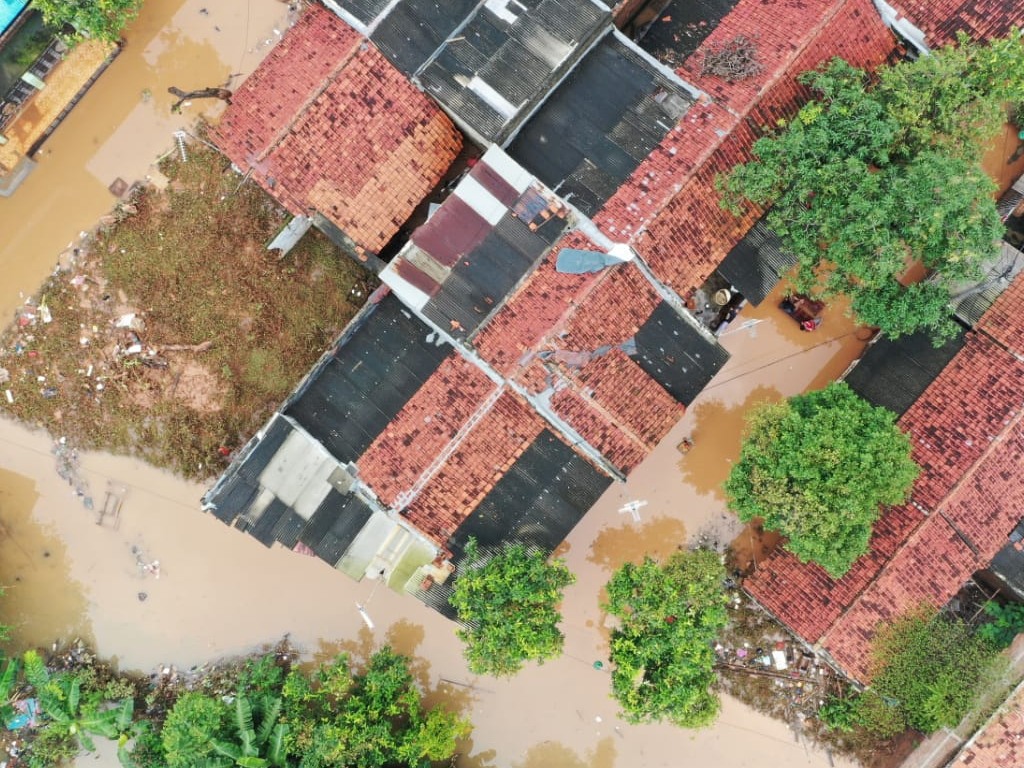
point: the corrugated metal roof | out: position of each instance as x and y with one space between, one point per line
414 29
893 373
756 263
349 400
503 58
676 355
598 126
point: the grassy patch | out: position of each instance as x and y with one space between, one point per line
224 329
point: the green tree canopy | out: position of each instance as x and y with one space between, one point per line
338 718
873 176
102 19
816 468
662 653
507 603
927 672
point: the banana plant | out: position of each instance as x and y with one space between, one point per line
8 680
60 701
262 747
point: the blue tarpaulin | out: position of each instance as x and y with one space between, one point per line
575 262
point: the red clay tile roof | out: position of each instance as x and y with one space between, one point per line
538 306
485 454
613 311
940 20
423 428
1000 744
930 568
608 399
327 123
805 598
989 502
669 207
954 421
1002 321
967 431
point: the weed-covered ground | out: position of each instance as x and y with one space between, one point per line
173 332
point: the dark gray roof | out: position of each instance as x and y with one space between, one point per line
537 503
414 29
682 26
971 303
1008 564
606 117
756 264
248 496
893 373
377 366
512 54
364 11
481 279
676 355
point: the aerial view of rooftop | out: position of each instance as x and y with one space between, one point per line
512 383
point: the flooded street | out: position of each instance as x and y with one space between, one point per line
124 123
220 593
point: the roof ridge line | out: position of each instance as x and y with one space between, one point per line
998 440
937 514
405 498
315 94
573 384
740 116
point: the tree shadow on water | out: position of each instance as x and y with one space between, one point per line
717 436
629 542
551 754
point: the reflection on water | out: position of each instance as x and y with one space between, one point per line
42 603
717 435
551 754
630 542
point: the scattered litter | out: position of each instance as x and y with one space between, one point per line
142 597
25 717
68 469
10 396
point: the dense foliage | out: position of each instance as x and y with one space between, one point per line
927 672
876 174
662 652
1006 622
508 605
334 717
264 713
816 468
102 19
74 710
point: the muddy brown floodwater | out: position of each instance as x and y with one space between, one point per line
221 593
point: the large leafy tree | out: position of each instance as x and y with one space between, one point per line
662 653
816 468
874 175
101 19
508 604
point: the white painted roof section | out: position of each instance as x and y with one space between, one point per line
477 197
499 103
902 26
406 292
517 176
298 474
500 9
